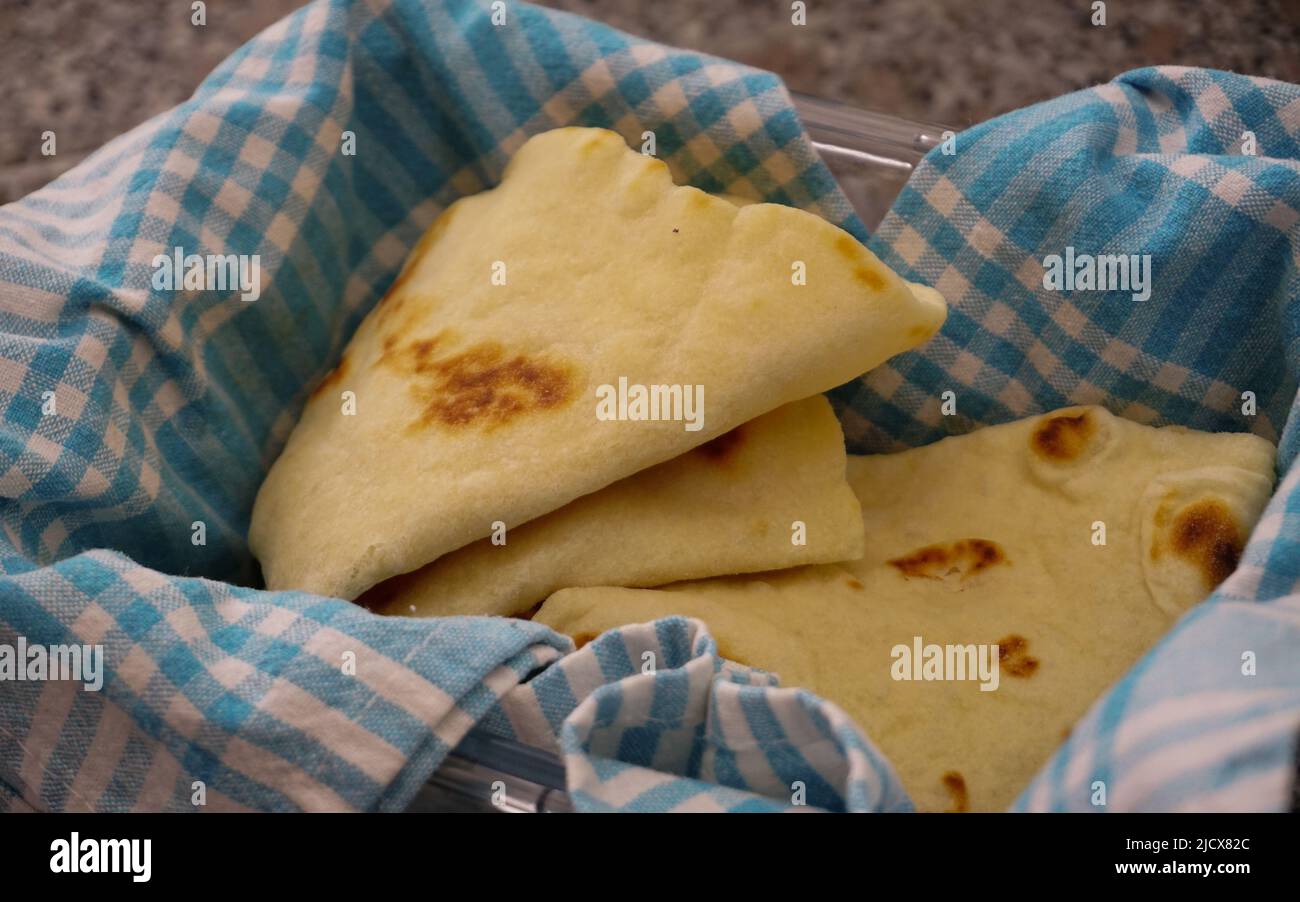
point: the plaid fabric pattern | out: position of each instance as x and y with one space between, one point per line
1143 165
1150 163
247 692
650 718
169 406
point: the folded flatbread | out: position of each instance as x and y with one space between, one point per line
470 394
769 494
992 538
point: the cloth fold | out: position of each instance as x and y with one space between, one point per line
141 419
651 718
248 700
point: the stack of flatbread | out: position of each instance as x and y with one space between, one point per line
597 392
1069 542
582 322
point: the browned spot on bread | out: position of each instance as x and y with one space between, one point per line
962 559
1063 437
1162 519
1206 535
421 350
395 299
724 651
332 378
588 147
920 331
480 385
863 271
581 639
483 384
407 358
853 584
869 277
848 248
1014 658
955 783
391 303
723 448
398 316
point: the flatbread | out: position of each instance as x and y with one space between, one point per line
769 494
474 383
985 539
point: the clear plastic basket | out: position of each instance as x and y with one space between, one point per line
871 154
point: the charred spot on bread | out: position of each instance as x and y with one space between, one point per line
1014 658
961 559
863 271
955 783
1063 437
479 385
1206 535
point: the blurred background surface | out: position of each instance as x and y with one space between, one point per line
92 69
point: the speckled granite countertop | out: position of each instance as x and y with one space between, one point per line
91 70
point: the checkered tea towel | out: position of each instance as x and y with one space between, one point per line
1201 170
137 422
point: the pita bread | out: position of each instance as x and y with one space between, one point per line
985 539
725 507
476 379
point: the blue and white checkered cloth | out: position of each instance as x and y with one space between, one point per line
1148 164
128 415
